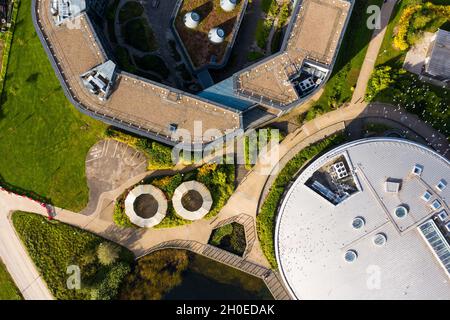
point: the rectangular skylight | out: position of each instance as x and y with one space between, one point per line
437 242
441 185
443 215
436 205
426 196
417 170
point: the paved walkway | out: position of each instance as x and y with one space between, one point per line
372 53
12 252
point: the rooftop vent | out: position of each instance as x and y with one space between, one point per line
392 185
351 256
379 239
339 169
358 223
401 212
228 5
417 170
191 20
216 35
442 184
443 215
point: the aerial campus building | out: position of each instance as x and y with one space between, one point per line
368 220
437 63
265 90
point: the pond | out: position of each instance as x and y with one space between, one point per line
209 280
181 275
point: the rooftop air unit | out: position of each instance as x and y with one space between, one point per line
191 19
216 35
228 5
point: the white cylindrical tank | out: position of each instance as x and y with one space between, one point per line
191 19
228 5
216 35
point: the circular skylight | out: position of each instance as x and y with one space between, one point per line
350 256
401 212
379 239
358 223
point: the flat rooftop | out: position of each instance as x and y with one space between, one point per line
145 104
313 235
316 29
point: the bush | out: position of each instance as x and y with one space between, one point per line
54 246
159 156
153 63
230 237
107 253
109 287
419 18
138 34
266 218
382 77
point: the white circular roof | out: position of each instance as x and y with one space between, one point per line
315 237
157 194
182 190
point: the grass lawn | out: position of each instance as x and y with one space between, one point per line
138 34
8 289
339 88
43 138
266 219
54 246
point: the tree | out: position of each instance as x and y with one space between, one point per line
107 253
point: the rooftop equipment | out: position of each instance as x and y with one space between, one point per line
191 20
228 5
216 35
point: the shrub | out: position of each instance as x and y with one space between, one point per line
107 253
109 287
382 77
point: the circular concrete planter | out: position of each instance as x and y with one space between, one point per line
192 200
146 206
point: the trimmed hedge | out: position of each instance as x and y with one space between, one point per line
266 218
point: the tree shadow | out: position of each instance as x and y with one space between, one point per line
32 78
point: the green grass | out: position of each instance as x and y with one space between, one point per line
54 246
44 139
266 218
339 88
8 289
138 34
130 10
